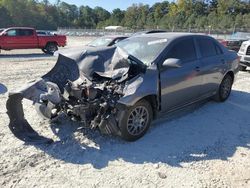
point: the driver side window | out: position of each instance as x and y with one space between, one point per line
183 50
12 33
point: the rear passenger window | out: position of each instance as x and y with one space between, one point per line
183 50
25 32
207 47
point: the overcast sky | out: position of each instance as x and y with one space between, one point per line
109 4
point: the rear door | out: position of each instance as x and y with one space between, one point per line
27 38
180 86
212 64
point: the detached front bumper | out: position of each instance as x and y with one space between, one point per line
18 125
65 69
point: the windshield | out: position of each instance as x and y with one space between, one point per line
103 41
146 49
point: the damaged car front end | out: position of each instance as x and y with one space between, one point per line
121 89
95 87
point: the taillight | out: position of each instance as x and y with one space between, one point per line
239 57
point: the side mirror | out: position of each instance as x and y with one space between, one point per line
172 63
4 34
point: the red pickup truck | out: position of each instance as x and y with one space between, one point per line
28 38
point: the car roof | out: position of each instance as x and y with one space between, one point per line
20 28
150 31
115 36
170 35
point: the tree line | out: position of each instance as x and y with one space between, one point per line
200 14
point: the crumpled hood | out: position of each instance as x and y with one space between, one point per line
109 62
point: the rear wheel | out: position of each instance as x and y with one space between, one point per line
44 50
51 48
136 121
225 89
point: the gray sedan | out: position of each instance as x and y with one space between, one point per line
121 89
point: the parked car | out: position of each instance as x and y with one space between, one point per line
44 33
149 32
232 44
121 89
106 40
244 55
100 42
27 38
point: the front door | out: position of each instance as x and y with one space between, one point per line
10 40
182 85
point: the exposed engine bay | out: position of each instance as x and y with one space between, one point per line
86 87
92 102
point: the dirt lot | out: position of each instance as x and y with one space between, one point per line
208 147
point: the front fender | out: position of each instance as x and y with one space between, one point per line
140 87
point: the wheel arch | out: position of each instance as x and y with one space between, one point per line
230 73
152 99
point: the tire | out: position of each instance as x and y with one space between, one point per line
44 50
242 68
136 121
51 48
225 89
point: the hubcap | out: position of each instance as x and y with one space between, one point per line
226 88
52 48
137 120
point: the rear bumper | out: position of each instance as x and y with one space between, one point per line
245 64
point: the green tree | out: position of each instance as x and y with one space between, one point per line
87 17
5 18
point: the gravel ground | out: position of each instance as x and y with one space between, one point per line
208 147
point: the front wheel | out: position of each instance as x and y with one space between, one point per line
136 121
225 89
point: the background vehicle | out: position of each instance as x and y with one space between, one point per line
149 32
44 33
244 55
100 42
232 44
121 89
27 38
106 41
